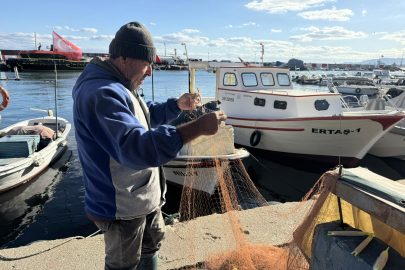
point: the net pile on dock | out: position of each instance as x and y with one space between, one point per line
236 193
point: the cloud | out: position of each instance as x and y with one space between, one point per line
397 36
328 14
276 31
328 33
249 23
379 33
282 6
87 30
177 38
190 31
21 41
229 26
153 23
364 12
103 38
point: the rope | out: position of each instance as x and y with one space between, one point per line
276 175
4 258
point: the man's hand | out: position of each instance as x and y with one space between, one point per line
208 124
189 101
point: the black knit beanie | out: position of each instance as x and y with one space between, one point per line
133 40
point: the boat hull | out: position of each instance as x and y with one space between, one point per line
23 170
321 139
357 90
392 144
25 173
46 65
199 173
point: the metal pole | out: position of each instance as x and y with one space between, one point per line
56 92
262 54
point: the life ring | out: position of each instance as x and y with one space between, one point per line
358 90
255 138
6 98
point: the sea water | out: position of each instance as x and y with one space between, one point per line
51 206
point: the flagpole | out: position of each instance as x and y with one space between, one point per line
56 81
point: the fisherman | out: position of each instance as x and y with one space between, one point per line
123 142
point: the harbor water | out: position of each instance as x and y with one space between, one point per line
51 206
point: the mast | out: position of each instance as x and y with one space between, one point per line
165 47
402 57
56 92
35 37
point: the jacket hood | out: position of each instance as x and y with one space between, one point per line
98 69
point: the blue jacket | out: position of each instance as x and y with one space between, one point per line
109 135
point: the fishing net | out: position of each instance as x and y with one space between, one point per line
236 196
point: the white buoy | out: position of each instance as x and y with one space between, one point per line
17 77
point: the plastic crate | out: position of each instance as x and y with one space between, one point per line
18 146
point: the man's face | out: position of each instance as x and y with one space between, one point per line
136 71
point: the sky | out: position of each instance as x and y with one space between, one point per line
318 31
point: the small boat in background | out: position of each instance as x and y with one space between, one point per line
22 157
353 89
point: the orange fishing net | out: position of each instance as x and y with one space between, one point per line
235 196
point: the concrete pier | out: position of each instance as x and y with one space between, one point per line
263 226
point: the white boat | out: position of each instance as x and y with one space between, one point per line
357 89
392 143
351 79
202 169
17 171
270 117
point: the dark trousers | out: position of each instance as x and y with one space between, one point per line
126 241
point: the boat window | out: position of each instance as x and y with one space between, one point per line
249 79
282 105
267 79
230 79
321 105
283 79
260 102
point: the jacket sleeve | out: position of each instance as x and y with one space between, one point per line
121 135
163 113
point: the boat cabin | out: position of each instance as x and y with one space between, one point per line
381 72
267 93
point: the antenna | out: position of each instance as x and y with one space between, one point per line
402 57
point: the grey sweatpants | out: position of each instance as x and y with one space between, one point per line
126 241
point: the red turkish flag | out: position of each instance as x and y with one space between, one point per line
64 47
158 59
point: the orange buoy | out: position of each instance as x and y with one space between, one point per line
6 98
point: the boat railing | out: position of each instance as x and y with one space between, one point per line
332 88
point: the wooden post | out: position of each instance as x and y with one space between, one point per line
192 81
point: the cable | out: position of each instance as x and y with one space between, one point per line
276 175
24 257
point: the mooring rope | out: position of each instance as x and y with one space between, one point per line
4 258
